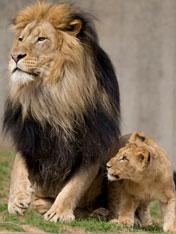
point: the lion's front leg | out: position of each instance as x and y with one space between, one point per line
67 200
20 188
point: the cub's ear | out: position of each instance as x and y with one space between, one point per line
137 137
141 157
144 159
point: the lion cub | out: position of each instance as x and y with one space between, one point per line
141 173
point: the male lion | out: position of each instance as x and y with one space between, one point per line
141 173
62 112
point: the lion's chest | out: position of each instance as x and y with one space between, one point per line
51 155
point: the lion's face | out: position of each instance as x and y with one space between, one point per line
129 163
43 42
34 51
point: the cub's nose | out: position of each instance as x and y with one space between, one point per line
108 165
17 57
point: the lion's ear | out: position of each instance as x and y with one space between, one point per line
74 27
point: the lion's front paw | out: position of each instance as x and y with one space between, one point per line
55 214
124 221
18 203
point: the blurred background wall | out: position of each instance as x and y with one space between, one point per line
140 38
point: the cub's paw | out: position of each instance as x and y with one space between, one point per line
169 229
123 221
147 223
137 222
55 214
114 221
18 203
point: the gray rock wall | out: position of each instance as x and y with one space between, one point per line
140 37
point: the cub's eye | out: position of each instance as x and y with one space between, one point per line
41 39
124 158
20 39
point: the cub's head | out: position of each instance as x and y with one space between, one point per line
45 41
130 162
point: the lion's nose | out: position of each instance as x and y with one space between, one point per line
17 57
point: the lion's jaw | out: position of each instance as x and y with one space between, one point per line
38 48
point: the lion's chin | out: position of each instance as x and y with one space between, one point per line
19 77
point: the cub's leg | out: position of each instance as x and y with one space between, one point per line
143 213
127 209
20 188
114 193
168 210
69 197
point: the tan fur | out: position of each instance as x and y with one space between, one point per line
66 201
41 203
141 172
59 72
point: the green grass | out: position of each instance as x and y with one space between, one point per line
33 220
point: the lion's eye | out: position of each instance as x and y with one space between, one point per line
20 39
41 39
